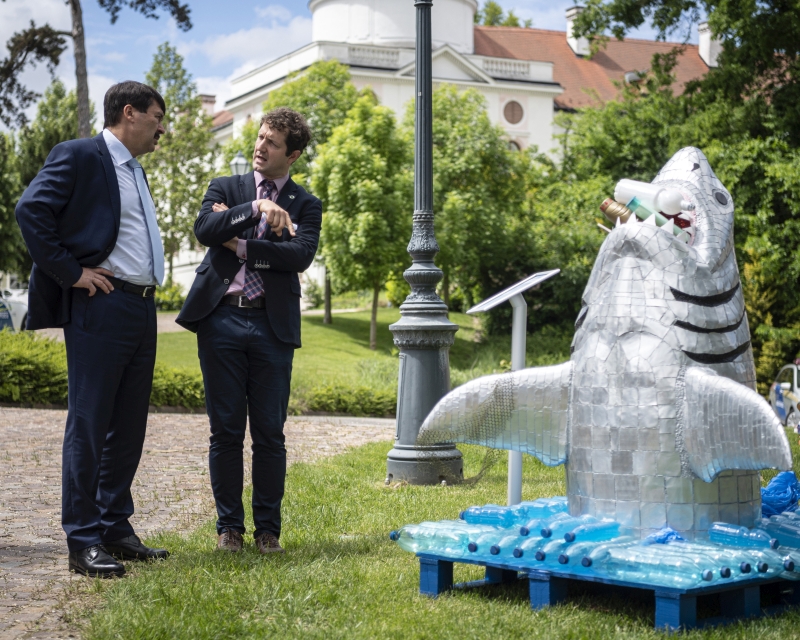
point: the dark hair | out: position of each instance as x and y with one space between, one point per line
290 123
139 96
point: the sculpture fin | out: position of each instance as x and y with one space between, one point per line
726 425
523 411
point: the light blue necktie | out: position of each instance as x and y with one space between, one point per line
150 217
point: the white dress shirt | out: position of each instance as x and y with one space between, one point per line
132 257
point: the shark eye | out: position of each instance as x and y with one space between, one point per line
721 198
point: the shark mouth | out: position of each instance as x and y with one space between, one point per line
667 208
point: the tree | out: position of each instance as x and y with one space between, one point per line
182 165
492 15
363 175
324 94
44 44
476 180
12 248
56 121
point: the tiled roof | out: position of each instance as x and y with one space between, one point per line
221 118
582 78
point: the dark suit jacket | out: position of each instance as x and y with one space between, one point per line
69 217
277 259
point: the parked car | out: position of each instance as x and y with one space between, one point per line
14 309
784 396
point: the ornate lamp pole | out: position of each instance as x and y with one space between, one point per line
423 334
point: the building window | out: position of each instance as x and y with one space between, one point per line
513 145
513 112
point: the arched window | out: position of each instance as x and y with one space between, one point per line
513 145
513 112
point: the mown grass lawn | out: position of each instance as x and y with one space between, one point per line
343 578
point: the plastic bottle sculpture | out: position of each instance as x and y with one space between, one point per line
655 416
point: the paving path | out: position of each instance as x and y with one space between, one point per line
171 492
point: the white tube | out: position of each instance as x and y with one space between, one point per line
518 335
653 196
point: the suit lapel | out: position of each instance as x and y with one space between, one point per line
247 192
111 178
287 195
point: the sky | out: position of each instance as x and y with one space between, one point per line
228 38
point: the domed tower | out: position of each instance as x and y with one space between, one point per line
392 23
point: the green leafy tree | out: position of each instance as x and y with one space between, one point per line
492 15
476 191
43 44
12 248
182 165
56 121
324 94
363 175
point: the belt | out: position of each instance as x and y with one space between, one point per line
135 289
244 302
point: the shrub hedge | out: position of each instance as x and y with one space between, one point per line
33 370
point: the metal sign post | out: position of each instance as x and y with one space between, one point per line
519 325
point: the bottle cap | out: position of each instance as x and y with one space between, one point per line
563 558
774 544
569 536
725 572
518 553
707 575
524 531
762 567
494 549
587 561
546 532
744 567
461 515
472 547
788 564
393 535
540 555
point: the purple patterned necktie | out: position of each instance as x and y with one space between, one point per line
253 284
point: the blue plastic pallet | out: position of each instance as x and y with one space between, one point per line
676 609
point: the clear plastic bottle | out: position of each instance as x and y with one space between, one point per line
537 525
448 537
593 531
784 528
736 536
557 528
514 515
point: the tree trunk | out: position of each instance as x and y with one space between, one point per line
171 264
84 117
327 318
373 323
446 288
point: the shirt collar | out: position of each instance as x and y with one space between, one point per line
279 182
119 152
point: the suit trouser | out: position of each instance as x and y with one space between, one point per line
247 370
111 351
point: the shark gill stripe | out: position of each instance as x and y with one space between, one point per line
705 301
693 327
718 358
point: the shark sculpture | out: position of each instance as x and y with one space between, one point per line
655 415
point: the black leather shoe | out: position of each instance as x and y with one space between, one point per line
131 548
95 562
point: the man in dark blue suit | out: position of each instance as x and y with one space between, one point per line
262 229
90 226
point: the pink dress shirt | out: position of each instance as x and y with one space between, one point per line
237 285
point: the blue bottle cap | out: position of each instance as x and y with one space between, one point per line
524 531
788 564
774 544
707 575
744 567
563 558
546 532
461 515
518 553
472 547
762 567
569 536
494 550
393 535
540 555
587 561
725 572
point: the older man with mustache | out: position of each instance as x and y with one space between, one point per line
89 222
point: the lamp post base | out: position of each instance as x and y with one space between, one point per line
424 465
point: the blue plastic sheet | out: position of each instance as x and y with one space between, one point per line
662 537
780 495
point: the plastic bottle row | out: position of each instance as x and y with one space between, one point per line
516 515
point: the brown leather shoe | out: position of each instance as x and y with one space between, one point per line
230 540
267 543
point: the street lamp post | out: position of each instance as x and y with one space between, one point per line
423 334
239 165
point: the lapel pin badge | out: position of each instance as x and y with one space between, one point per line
291 197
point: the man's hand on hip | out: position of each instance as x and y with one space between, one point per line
277 218
93 278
